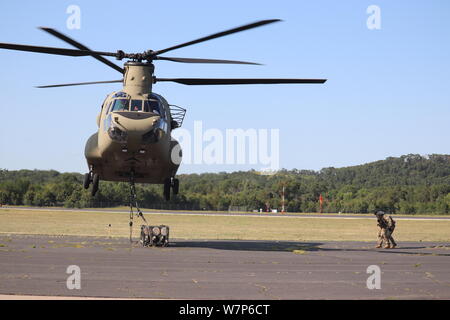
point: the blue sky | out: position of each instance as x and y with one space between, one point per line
387 94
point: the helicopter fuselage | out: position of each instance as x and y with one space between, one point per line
134 133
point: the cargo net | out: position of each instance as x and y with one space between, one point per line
150 235
154 236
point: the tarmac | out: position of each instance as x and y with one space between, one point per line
35 266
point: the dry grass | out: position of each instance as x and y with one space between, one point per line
54 222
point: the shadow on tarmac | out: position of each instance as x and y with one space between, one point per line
247 245
290 246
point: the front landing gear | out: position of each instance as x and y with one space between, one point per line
87 180
93 178
170 183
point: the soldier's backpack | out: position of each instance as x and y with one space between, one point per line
391 224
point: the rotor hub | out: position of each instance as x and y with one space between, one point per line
148 56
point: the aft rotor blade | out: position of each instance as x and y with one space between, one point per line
195 60
80 46
206 81
53 50
218 35
78 84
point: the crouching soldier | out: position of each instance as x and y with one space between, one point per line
387 226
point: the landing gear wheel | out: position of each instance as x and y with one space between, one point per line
87 181
167 186
175 186
95 181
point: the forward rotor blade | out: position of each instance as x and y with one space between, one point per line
53 50
218 35
204 81
78 84
195 60
78 45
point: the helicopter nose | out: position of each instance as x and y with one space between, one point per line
136 123
139 128
154 134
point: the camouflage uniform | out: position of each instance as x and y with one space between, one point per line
387 226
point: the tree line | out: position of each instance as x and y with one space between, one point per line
409 184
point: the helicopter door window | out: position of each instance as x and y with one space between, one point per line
120 105
136 105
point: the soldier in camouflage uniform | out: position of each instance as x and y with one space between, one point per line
387 226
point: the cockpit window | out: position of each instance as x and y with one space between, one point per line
152 106
120 105
136 105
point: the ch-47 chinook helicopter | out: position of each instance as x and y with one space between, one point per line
134 142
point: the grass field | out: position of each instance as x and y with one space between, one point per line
299 228
125 208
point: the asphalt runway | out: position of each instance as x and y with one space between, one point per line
197 269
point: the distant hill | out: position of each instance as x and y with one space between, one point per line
408 184
410 169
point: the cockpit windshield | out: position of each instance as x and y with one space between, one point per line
137 105
120 105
